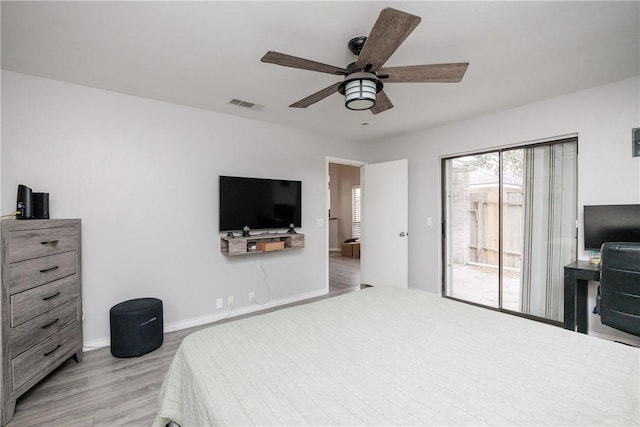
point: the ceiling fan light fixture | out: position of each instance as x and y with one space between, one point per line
360 94
359 90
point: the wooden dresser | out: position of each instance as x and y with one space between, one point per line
41 303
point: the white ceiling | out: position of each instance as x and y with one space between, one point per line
203 54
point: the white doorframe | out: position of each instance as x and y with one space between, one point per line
338 161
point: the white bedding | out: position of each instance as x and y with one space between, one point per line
386 356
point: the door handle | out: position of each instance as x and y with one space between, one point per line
402 234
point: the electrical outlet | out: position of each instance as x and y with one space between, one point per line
219 303
230 302
252 296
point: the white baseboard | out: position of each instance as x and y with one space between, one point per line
96 344
211 318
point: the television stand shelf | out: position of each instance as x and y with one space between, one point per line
232 246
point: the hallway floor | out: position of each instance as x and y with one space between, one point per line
344 273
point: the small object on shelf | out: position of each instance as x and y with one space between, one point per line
270 246
245 231
230 234
40 205
24 205
251 246
291 230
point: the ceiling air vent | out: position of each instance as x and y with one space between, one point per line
246 104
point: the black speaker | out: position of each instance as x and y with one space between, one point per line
41 205
24 205
136 327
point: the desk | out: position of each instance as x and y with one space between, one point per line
576 281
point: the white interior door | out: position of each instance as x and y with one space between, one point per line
385 222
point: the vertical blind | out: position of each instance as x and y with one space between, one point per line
550 173
355 211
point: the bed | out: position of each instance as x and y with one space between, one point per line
386 356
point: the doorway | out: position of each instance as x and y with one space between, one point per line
343 201
384 213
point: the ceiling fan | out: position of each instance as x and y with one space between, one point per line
364 79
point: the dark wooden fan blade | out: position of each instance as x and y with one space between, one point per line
304 64
318 96
387 34
383 103
437 73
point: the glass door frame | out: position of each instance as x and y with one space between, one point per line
444 179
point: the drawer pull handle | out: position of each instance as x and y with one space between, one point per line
51 296
46 270
50 324
49 352
50 242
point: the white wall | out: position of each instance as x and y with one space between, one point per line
602 117
143 177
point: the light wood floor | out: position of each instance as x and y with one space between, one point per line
106 391
344 274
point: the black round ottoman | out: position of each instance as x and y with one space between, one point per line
136 327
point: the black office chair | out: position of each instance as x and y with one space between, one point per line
619 291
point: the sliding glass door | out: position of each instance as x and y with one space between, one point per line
472 229
510 227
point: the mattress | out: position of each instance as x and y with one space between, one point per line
387 356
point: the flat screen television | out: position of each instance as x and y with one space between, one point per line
610 223
259 203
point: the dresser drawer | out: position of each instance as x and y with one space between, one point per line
45 356
35 272
27 244
35 301
32 332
